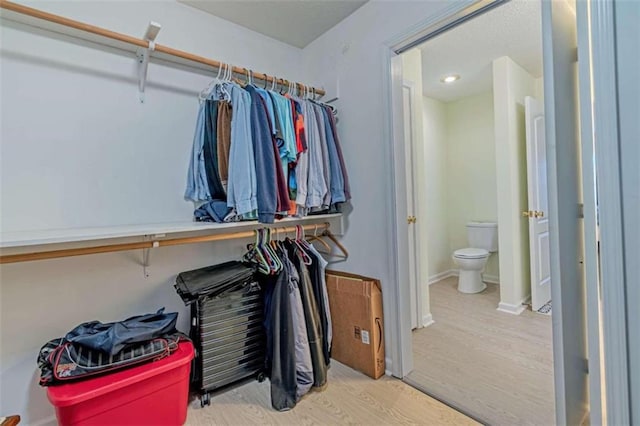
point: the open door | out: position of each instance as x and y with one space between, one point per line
538 204
559 43
407 94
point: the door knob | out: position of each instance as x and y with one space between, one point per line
411 219
539 213
527 213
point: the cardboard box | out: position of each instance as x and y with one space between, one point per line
358 327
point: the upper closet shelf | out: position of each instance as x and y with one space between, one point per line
61 236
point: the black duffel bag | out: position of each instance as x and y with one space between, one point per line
95 348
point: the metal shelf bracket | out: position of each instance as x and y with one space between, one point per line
146 257
143 56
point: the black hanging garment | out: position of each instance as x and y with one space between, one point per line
316 281
280 355
312 317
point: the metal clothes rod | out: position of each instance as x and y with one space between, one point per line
54 254
102 32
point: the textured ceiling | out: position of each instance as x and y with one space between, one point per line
295 22
513 29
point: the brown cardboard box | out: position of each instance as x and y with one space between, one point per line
356 316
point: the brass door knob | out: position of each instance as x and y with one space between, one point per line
539 213
411 219
527 213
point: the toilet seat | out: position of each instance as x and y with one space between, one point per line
471 253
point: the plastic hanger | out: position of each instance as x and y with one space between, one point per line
298 242
205 93
276 258
262 252
255 256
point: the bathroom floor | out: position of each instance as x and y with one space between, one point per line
491 365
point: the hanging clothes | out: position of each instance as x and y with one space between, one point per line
312 317
303 362
317 270
242 184
223 135
337 184
297 352
266 155
265 162
280 364
320 118
332 122
210 151
316 184
197 186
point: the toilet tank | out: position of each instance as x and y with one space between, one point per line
483 235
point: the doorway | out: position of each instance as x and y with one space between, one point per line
510 263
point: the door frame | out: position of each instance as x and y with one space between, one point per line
401 353
600 120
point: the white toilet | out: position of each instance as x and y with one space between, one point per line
483 240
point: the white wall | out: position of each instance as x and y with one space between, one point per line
350 56
511 83
471 170
79 149
76 139
435 139
412 72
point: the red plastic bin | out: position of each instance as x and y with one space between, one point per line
151 394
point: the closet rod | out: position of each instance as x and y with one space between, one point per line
54 254
102 32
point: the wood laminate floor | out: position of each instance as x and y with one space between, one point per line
494 366
350 398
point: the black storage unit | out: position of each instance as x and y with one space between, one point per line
226 328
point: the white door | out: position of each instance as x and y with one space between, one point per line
564 191
411 202
538 204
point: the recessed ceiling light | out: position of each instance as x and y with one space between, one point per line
450 78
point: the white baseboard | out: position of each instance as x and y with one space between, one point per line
427 320
442 275
491 279
514 309
387 367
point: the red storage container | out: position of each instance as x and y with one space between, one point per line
151 394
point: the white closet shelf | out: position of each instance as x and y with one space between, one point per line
61 236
